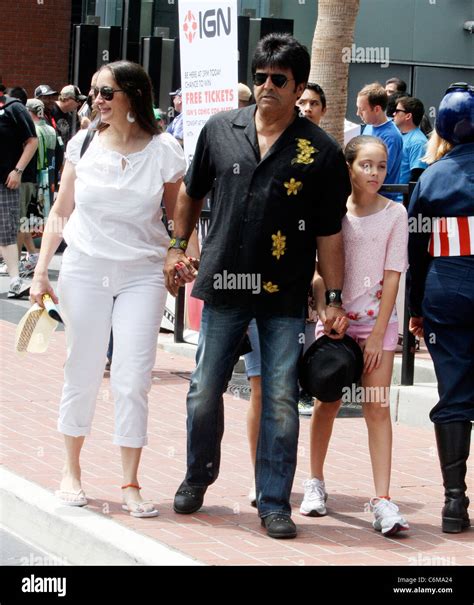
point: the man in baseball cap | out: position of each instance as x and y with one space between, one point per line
45 93
36 106
63 111
72 92
44 90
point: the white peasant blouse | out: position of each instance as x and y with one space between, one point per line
117 214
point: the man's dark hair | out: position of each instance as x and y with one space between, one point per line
400 84
284 52
392 103
319 91
413 106
2 88
136 83
17 92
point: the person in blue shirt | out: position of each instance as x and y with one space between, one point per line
441 280
407 116
371 105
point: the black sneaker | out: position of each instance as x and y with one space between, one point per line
188 499
279 526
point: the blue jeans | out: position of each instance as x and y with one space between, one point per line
222 329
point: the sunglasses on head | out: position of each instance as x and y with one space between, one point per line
279 80
106 92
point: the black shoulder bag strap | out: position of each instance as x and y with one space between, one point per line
87 140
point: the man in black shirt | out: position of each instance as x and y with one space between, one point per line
19 143
280 188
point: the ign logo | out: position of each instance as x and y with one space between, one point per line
190 26
211 24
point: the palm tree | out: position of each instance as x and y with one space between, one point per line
333 36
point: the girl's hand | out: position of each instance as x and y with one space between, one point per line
416 326
373 349
336 323
40 286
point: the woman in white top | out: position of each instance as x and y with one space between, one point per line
111 273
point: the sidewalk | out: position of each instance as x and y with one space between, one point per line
227 531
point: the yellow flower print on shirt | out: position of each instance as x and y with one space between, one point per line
293 186
279 245
304 152
270 288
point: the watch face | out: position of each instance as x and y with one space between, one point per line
332 296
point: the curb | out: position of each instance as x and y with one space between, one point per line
75 535
412 405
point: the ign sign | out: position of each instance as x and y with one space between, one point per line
209 24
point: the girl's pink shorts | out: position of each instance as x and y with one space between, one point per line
360 333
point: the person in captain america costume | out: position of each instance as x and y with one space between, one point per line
441 278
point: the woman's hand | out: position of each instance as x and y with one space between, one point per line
416 326
39 287
372 349
179 270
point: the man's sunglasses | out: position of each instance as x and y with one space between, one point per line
400 111
106 92
279 80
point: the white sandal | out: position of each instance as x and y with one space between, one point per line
138 508
71 498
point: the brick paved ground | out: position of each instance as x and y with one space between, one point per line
227 531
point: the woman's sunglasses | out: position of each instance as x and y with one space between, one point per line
279 80
106 92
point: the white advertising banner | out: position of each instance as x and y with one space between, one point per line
209 57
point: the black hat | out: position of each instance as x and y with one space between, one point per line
177 93
44 90
329 365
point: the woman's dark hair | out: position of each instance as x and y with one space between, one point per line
136 83
355 144
284 52
319 91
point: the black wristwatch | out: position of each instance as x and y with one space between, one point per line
18 170
333 297
178 242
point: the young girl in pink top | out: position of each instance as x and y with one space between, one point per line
375 232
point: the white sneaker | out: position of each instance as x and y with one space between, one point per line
387 517
3 269
27 266
18 289
314 501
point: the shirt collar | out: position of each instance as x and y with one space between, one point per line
245 118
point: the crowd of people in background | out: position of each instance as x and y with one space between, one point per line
68 142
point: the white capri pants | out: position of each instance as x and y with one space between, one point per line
96 295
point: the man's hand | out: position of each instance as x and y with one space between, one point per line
335 320
13 180
416 326
179 270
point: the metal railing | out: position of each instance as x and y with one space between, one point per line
409 342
